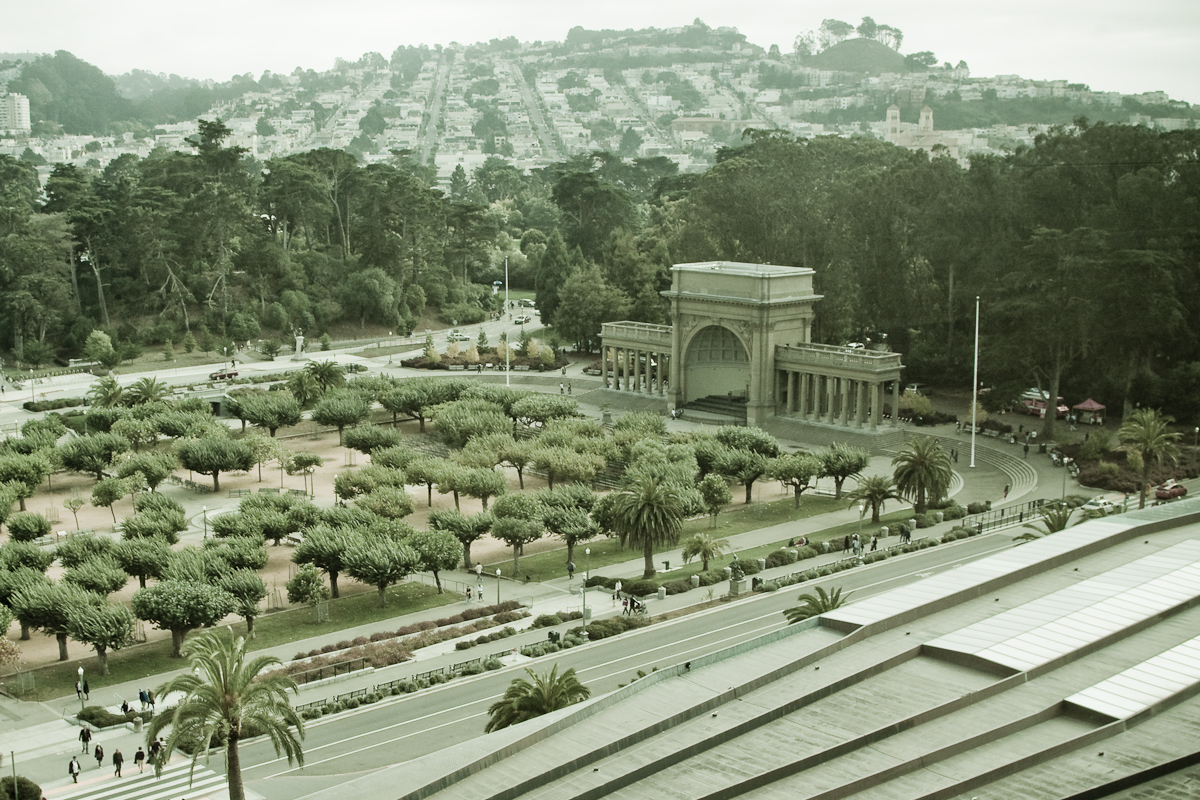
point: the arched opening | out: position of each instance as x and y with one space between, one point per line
716 364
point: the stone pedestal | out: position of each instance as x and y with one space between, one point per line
737 587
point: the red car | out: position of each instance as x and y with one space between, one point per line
1170 490
223 375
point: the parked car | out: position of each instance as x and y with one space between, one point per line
1170 490
223 375
458 336
525 302
522 319
1035 402
917 388
1101 505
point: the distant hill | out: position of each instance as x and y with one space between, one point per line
859 55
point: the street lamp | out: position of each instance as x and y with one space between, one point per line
80 690
205 510
497 586
586 575
1195 435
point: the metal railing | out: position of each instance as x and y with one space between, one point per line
329 670
1003 517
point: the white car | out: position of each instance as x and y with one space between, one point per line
522 319
1100 505
458 336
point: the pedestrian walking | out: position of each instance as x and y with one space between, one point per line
150 698
1007 487
79 690
155 747
468 594
87 692
99 754
85 736
142 698
118 760
1027 451
624 607
874 543
570 570
74 769
562 388
568 388
846 544
139 759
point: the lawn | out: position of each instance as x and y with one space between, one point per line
154 658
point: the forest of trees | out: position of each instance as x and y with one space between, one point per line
1083 249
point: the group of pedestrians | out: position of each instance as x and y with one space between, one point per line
118 758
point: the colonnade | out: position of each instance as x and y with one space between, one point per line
636 370
834 400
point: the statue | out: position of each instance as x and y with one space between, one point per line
736 573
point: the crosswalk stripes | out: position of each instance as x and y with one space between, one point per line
173 785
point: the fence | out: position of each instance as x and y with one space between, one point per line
329 670
1004 517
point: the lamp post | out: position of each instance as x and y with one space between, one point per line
80 670
204 509
497 586
862 510
1195 435
586 575
506 345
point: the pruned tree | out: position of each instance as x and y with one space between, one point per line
341 410
380 562
214 455
153 467
108 626
248 591
22 474
182 606
49 608
102 576
438 550
466 530
271 410
369 438
716 494
324 547
797 470
518 521
841 461
705 548
92 454
143 558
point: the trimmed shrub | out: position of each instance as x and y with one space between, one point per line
979 508
808 551
600 580
677 587
925 520
546 621
953 511
781 558
639 588
26 789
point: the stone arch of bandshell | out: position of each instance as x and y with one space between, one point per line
768 309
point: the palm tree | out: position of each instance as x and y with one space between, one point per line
327 374
525 700
874 491
106 393
1053 519
225 697
647 515
705 548
304 388
813 604
922 472
1146 433
147 390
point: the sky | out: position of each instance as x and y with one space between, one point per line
1110 45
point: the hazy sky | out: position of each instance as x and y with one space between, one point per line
1112 45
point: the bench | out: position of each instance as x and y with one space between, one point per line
240 492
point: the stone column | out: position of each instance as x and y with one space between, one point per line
860 404
876 402
844 417
637 371
805 386
793 391
830 389
895 402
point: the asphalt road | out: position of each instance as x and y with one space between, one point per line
345 746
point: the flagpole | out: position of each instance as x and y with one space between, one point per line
507 344
975 382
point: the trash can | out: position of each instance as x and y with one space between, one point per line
662 593
762 564
137 724
1042 448
695 581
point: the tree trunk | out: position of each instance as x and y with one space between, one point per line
99 289
484 500
797 490
437 580
749 488
177 642
216 482
648 555
1144 489
250 627
24 632
333 587
456 507
233 763
62 646
520 480
383 596
141 581
102 659
429 496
